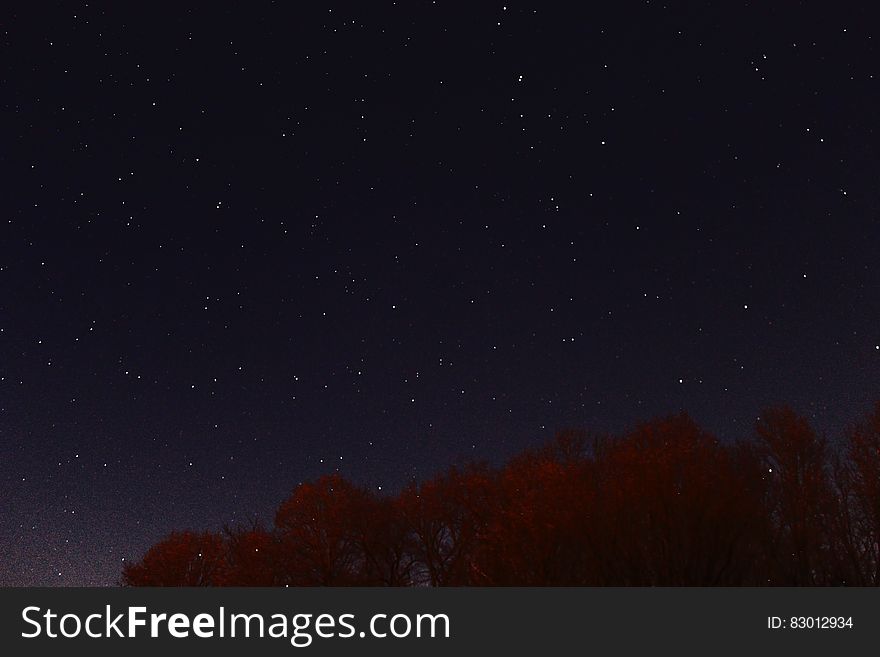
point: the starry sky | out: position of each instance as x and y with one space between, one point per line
244 246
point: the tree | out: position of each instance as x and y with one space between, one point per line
385 543
446 516
858 481
252 558
319 545
800 502
666 504
536 531
670 509
182 559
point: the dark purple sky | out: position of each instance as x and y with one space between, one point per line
242 248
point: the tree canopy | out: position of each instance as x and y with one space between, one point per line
666 504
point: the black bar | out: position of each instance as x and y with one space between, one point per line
495 621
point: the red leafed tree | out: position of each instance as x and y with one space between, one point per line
536 532
385 543
181 559
319 542
446 517
800 503
858 482
670 509
666 504
252 558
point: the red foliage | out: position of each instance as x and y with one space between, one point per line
319 540
181 559
664 505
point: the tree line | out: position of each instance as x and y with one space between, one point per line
666 504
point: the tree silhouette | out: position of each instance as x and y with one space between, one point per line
252 558
537 532
446 516
181 559
385 543
858 481
666 504
671 509
799 500
320 545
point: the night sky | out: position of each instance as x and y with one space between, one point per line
244 247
